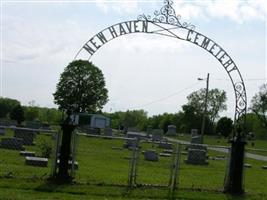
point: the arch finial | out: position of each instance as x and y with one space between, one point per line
167 15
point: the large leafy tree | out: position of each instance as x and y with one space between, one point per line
17 114
134 118
81 88
6 106
259 105
215 104
224 126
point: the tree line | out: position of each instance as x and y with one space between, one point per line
81 88
11 109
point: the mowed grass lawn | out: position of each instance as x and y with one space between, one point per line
103 173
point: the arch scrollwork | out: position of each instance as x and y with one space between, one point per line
167 23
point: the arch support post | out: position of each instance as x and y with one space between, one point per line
63 175
235 172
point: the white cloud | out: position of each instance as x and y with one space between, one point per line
236 10
120 7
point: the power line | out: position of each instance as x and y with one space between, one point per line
167 97
251 79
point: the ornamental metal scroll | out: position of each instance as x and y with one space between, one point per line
166 23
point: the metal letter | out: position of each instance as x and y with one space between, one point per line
94 43
102 37
145 26
228 63
136 26
129 26
189 32
222 56
122 30
219 53
234 68
205 43
212 48
113 32
195 40
89 49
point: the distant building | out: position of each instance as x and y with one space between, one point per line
91 120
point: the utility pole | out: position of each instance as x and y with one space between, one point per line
205 108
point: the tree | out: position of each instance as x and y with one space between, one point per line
167 119
135 118
17 114
216 102
259 105
224 126
81 88
254 125
191 119
31 113
6 106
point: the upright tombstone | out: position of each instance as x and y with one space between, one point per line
132 143
26 135
171 130
197 153
157 134
33 124
91 131
2 131
149 132
12 143
151 155
108 132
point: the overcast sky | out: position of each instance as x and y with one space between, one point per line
142 71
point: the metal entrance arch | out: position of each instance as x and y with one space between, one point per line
165 22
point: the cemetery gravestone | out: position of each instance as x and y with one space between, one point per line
27 153
171 130
149 131
90 130
165 145
165 155
197 157
2 131
26 135
151 155
157 134
33 125
246 165
108 132
12 143
36 161
197 153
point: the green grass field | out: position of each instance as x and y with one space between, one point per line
103 174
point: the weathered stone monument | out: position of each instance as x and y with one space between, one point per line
165 145
171 130
27 153
197 152
132 143
2 131
36 161
26 135
12 143
151 155
108 132
157 134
